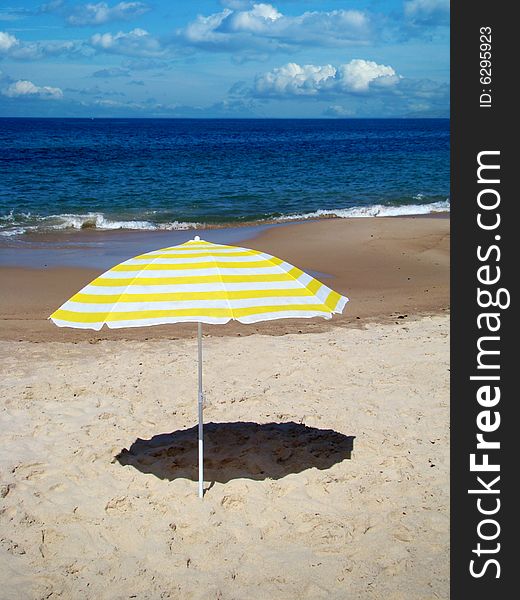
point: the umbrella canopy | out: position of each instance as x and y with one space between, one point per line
198 282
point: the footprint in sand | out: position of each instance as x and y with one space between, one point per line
5 489
29 471
402 534
11 547
118 505
232 502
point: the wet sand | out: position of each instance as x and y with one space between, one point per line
390 268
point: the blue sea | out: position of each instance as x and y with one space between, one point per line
171 174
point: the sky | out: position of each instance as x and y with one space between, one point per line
225 58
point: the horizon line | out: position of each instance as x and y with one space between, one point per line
240 118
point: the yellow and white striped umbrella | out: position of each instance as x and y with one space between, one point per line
200 282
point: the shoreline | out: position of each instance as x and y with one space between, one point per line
393 269
87 232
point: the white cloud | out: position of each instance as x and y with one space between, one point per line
7 42
256 20
12 47
427 12
356 76
294 80
100 13
137 42
24 88
262 26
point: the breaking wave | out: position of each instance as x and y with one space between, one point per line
375 210
12 224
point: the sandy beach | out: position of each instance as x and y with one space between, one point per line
327 461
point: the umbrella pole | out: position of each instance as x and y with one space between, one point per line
201 426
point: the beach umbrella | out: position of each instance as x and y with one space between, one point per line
198 282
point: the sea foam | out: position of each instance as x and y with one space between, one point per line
99 221
26 222
374 210
13 224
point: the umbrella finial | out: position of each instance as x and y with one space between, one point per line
196 238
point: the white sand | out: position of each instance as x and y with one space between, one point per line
283 520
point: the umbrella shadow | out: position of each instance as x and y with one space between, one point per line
239 450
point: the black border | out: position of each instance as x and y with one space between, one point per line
475 129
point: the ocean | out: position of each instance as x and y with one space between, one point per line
176 174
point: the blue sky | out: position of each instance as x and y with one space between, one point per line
224 58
